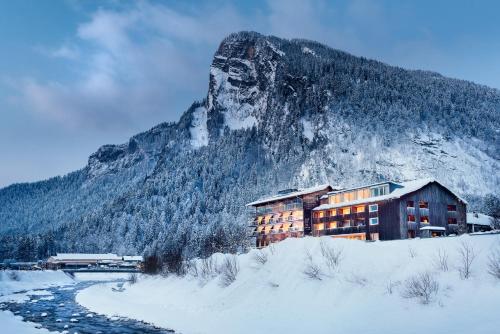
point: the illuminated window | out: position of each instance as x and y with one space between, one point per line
411 218
452 208
374 221
373 208
333 213
360 208
332 225
452 221
424 219
345 211
316 214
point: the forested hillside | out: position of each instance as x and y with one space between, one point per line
278 114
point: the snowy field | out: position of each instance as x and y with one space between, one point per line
282 290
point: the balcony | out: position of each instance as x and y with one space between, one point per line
412 226
345 230
424 211
410 210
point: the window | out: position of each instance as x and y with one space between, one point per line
424 219
379 191
316 214
423 205
410 204
374 221
411 218
452 208
452 221
373 208
333 213
359 209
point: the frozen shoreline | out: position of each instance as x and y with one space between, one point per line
277 296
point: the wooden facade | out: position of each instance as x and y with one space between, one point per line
402 211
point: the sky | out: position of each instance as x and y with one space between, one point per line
75 75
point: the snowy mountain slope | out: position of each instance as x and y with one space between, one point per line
278 114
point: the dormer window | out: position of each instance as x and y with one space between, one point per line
379 190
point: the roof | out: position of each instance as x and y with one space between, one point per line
133 258
476 218
297 193
433 228
406 188
342 190
83 256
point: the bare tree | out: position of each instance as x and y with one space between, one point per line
312 270
494 264
423 287
441 260
331 255
467 257
260 257
229 270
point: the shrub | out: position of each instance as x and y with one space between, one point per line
311 269
331 255
208 268
441 260
132 278
13 275
391 285
494 264
422 286
467 257
260 257
229 270
412 252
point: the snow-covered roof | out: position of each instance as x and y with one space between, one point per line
133 258
433 228
404 189
299 192
83 256
476 218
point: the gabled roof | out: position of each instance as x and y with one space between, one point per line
404 189
476 218
299 192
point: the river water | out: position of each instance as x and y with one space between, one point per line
56 310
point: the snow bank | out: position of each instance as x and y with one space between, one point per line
12 281
363 295
11 324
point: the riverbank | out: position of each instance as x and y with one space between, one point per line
275 291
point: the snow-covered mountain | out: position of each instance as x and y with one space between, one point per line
278 113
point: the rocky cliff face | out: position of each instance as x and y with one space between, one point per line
278 114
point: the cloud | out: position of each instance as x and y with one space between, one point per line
135 67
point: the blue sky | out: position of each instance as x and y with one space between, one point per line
75 75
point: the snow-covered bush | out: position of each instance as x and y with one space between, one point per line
391 286
229 270
441 260
260 257
494 264
467 257
13 275
132 278
312 270
411 252
208 268
331 255
423 287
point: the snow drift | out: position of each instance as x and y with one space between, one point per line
293 287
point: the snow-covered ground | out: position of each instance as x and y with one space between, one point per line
12 281
12 324
363 294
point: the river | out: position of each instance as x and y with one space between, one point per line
56 310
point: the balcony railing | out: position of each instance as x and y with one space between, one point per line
345 230
424 211
412 226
